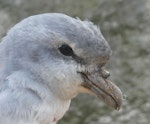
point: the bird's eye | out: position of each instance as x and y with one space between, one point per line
66 50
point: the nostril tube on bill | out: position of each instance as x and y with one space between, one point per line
105 74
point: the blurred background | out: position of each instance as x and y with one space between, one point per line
126 26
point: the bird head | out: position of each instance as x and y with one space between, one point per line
65 54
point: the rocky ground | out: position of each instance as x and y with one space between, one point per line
126 26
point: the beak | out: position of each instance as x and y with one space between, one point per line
98 84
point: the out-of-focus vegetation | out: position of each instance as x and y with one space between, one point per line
126 26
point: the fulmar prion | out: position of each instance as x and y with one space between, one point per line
46 60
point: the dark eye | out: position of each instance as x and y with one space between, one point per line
66 50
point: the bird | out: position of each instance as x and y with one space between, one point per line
48 59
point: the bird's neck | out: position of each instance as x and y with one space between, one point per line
53 107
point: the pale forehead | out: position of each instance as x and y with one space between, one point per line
72 28
83 36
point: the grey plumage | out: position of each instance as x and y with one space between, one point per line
37 81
